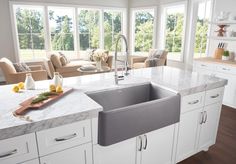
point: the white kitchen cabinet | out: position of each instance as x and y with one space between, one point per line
76 155
157 146
35 161
18 149
230 89
120 153
187 138
209 126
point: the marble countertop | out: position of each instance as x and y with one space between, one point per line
78 106
217 61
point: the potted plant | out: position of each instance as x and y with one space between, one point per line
225 55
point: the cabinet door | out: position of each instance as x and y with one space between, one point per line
230 89
77 155
209 128
121 153
187 138
158 146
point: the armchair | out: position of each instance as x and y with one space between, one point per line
151 60
12 76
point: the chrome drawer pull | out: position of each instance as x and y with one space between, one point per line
213 97
201 118
141 143
145 146
8 153
205 114
66 137
203 65
194 102
226 69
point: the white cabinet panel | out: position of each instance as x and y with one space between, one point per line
76 155
18 149
63 137
230 89
187 138
209 126
121 153
158 146
193 101
214 96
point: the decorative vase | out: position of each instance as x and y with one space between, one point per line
29 82
57 79
99 65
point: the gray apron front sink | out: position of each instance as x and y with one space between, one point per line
132 111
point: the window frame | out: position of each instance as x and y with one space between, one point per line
209 26
163 28
132 31
47 36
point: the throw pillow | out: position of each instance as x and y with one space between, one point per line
63 61
21 67
154 53
55 61
65 58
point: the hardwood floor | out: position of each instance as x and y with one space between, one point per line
224 151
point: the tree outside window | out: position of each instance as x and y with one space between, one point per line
61 24
174 31
30 30
202 28
112 28
88 29
143 30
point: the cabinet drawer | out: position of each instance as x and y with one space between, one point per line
18 149
214 96
63 137
191 102
226 69
204 65
76 155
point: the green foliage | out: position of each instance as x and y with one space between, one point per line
174 32
30 29
143 31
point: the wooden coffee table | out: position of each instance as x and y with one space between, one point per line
103 70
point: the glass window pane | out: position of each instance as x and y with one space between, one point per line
88 29
202 29
30 29
61 24
144 26
174 31
112 28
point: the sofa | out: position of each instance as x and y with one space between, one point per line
154 58
69 68
12 76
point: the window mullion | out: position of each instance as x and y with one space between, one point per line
47 32
102 31
76 37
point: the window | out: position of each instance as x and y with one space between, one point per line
44 29
174 30
112 28
202 28
61 25
30 32
88 21
143 30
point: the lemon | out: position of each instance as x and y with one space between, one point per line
15 89
59 89
52 88
21 85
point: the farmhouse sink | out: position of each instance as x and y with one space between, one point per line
134 110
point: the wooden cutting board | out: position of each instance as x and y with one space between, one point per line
26 105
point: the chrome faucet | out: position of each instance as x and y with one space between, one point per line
118 78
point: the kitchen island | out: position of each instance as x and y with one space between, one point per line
66 131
